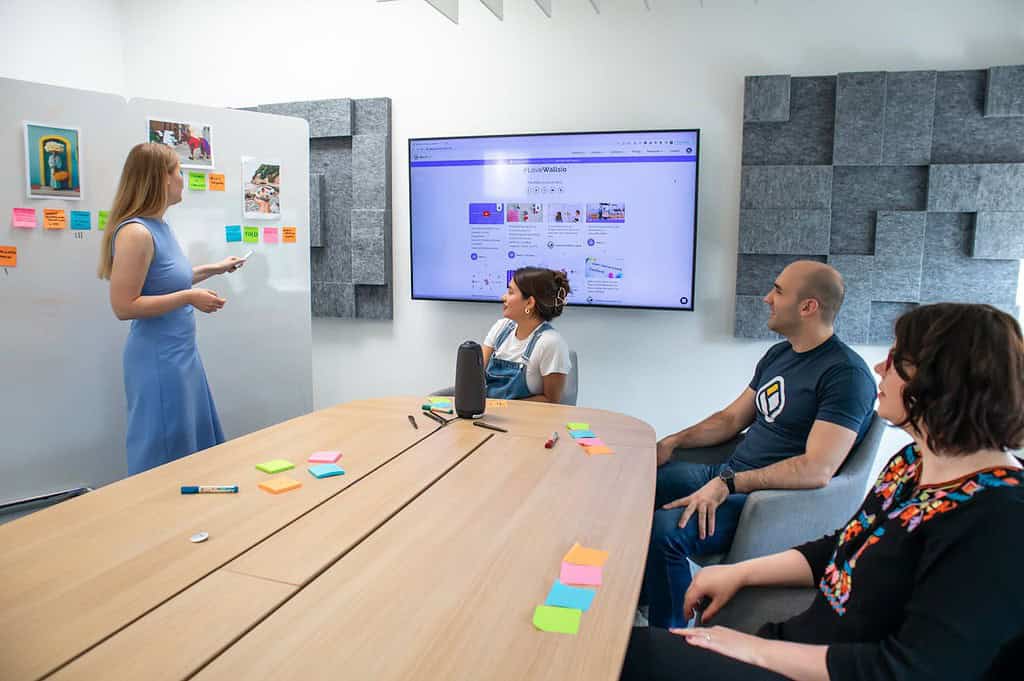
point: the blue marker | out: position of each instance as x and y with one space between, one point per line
209 489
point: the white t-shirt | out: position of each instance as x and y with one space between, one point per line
550 354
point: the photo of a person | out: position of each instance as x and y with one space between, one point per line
52 162
261 194
192 142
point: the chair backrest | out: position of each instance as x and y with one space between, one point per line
572 381
861 459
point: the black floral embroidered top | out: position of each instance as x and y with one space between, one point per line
923 582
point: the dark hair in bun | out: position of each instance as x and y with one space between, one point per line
548 287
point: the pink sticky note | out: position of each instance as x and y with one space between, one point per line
324 457
23 217
590 442
580 575
270 235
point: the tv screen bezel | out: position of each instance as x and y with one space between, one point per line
696 189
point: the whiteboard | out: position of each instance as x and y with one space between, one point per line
62 403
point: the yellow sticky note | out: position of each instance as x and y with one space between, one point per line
55 218
279 485
578 426
497 404
581 555
216 182
288 235
251 235
599 450
196 181
8 256
102 217
275 466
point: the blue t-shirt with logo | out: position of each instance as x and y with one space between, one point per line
793 389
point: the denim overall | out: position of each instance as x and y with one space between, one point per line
507 380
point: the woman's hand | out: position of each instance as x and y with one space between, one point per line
228 265
716 583
206 300
728 642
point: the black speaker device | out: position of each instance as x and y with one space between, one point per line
470 382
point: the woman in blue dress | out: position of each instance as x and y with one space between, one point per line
170 409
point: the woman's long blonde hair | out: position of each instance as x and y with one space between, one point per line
142 191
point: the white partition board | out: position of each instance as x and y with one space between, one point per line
62 404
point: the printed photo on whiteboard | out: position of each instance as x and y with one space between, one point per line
193 142
261 189
52 159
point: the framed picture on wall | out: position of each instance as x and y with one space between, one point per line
261 189
53 161
193 142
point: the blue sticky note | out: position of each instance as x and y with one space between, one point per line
81 219
564 596
233 232
577 434
325 470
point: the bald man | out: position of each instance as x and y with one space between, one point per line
809 403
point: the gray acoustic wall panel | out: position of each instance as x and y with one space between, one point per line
330 118
927 192
766 99
962 132
860 114
899 252
350 204
975 187
316 215
758 272
1004 95
784 231
752 318
786 187
909 116
806 138
854 320
951 274
883 320
998 236
858 193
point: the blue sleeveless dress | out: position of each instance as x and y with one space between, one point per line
170 409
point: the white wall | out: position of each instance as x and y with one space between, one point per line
73 43
679 65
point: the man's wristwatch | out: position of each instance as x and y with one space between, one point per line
728 476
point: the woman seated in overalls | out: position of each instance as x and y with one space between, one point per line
525 358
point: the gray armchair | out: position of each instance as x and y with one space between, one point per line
569 393
775 520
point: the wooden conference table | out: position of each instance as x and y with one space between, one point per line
424 561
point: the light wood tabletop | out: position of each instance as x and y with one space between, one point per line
425 560
73 574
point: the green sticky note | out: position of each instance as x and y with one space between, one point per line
557 620
251 235
440 400
275 466
104 215
578 426
196 181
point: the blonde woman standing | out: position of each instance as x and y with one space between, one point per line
170 409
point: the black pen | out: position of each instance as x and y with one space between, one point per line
413 422
489 426
432 415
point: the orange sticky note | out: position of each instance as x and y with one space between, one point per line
55 218
288 235
599 450
581 555
279 485
216 182
8 256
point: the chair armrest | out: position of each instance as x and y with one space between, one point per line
752 607
776 520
